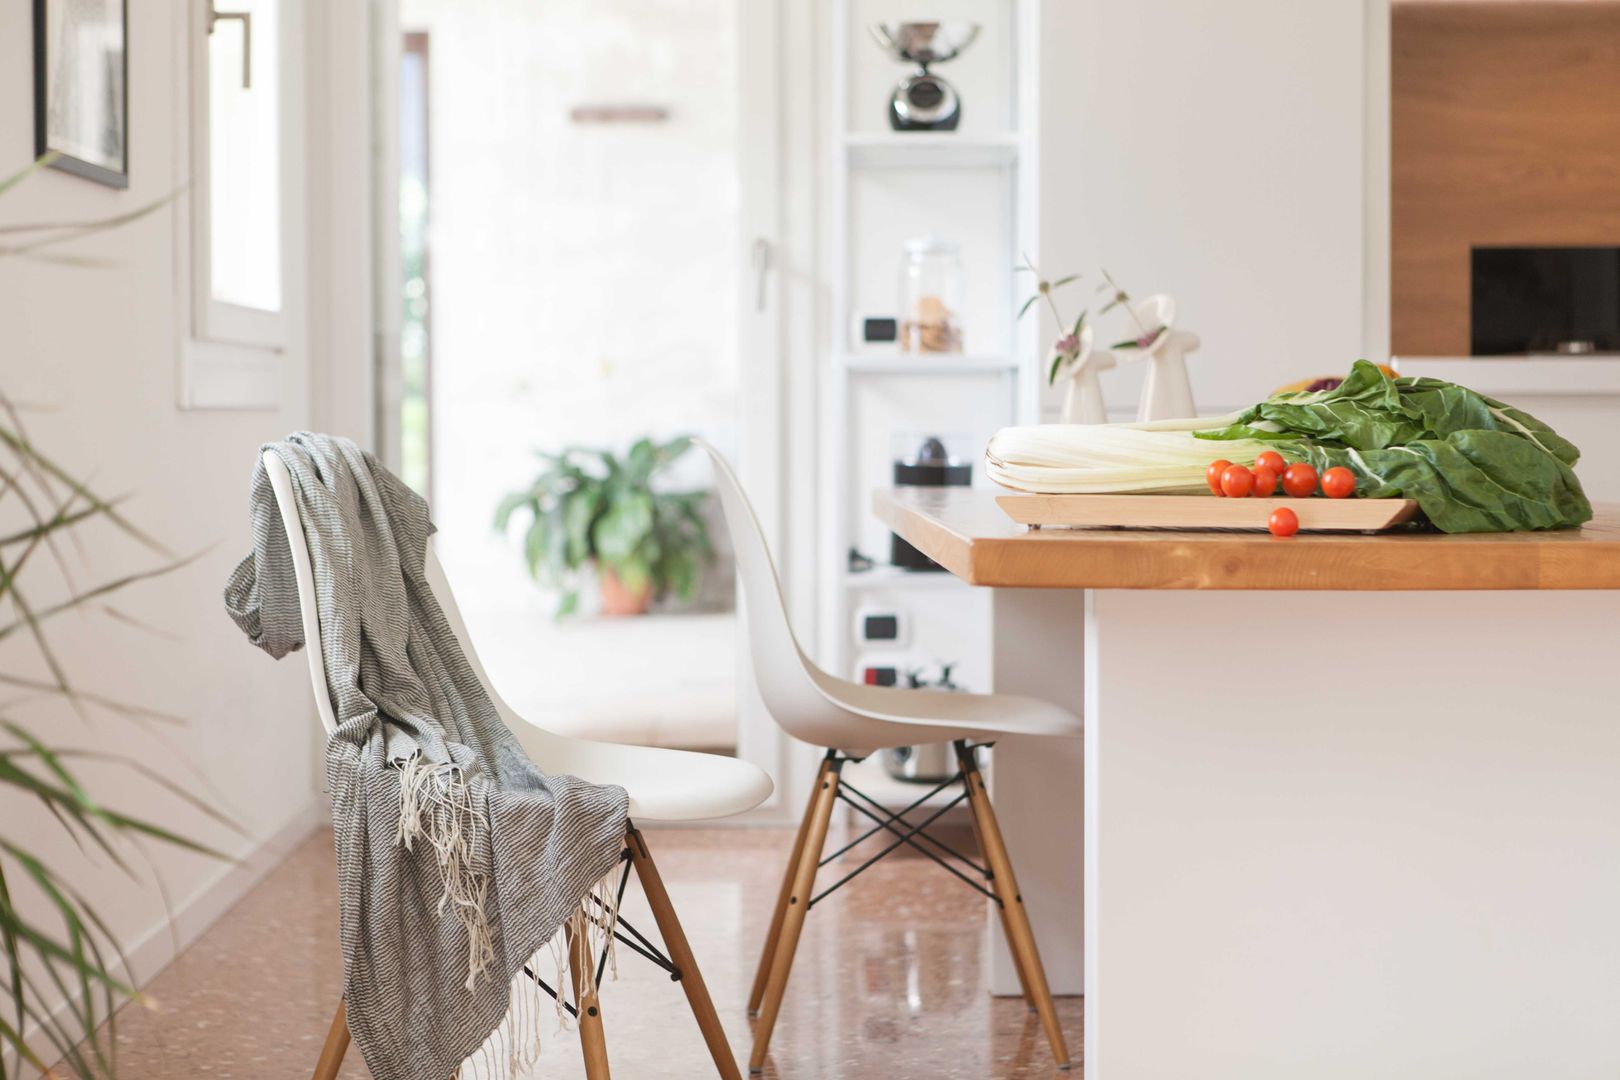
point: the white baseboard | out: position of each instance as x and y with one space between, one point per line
152 951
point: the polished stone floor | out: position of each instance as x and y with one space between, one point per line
890 980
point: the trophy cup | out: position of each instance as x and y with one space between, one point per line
924 101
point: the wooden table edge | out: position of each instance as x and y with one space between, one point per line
1326 563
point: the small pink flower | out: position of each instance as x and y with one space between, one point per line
1068 346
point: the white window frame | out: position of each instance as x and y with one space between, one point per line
232 356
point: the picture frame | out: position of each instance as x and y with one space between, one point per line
81 87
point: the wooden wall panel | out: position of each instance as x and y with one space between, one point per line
1505 126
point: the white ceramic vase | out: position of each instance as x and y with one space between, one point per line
1167 391
1082 397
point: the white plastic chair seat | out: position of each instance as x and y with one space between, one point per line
881 717
837 714
664 785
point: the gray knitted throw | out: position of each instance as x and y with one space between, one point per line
458 859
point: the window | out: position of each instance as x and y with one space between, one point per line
240 153
244 159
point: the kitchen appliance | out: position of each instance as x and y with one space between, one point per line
931 465
929 763
1563 300
923 101
931 296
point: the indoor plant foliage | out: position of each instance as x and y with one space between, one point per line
49 522
593 508
44 511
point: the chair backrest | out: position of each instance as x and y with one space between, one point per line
788 680
281 484
287 503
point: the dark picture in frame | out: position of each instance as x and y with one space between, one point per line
81 87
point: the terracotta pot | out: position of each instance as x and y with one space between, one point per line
619 600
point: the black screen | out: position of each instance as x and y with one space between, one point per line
1549 299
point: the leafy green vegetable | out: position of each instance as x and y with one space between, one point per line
1472 463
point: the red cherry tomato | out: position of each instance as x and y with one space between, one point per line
1212 475
1265 481
1270 459
1236 482
1299 480
1338 483
1284 522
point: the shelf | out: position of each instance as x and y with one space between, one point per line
929 364
893 577
930 149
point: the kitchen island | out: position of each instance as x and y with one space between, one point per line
1345 805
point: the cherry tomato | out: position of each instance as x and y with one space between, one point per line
1236 482
1265 481
1299 480
1338 482
1212 475
1284 522
1270 459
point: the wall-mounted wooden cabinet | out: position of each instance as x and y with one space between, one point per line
1505 124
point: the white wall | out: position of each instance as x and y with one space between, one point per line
1212 151
96 349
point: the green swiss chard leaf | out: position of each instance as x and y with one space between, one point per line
1472 463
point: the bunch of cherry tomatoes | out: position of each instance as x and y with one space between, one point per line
1299 480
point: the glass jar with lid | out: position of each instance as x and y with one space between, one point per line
931 296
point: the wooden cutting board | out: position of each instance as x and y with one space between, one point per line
1315 514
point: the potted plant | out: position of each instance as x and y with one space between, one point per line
592 508
63 971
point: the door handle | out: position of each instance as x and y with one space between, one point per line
246 19
762 267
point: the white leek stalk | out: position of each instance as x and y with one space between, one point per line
1161 456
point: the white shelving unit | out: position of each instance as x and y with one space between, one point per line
977 185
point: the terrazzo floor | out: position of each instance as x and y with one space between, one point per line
890 979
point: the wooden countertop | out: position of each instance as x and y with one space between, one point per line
967 533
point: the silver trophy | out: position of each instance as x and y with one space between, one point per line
924 101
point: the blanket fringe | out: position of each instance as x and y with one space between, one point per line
434 805
513 1048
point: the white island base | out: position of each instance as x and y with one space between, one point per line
1322 834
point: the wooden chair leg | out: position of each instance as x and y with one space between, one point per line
337 1044
1016 920
669 926
798 906
1001 909
592 1040
774 934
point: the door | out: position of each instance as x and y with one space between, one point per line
584 257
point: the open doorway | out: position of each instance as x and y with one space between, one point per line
569 212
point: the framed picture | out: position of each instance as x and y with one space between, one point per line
81 87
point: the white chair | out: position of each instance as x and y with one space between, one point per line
664 785
850 722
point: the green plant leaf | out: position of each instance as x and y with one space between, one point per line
568 604
28 170
510 504
621 530
580 511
